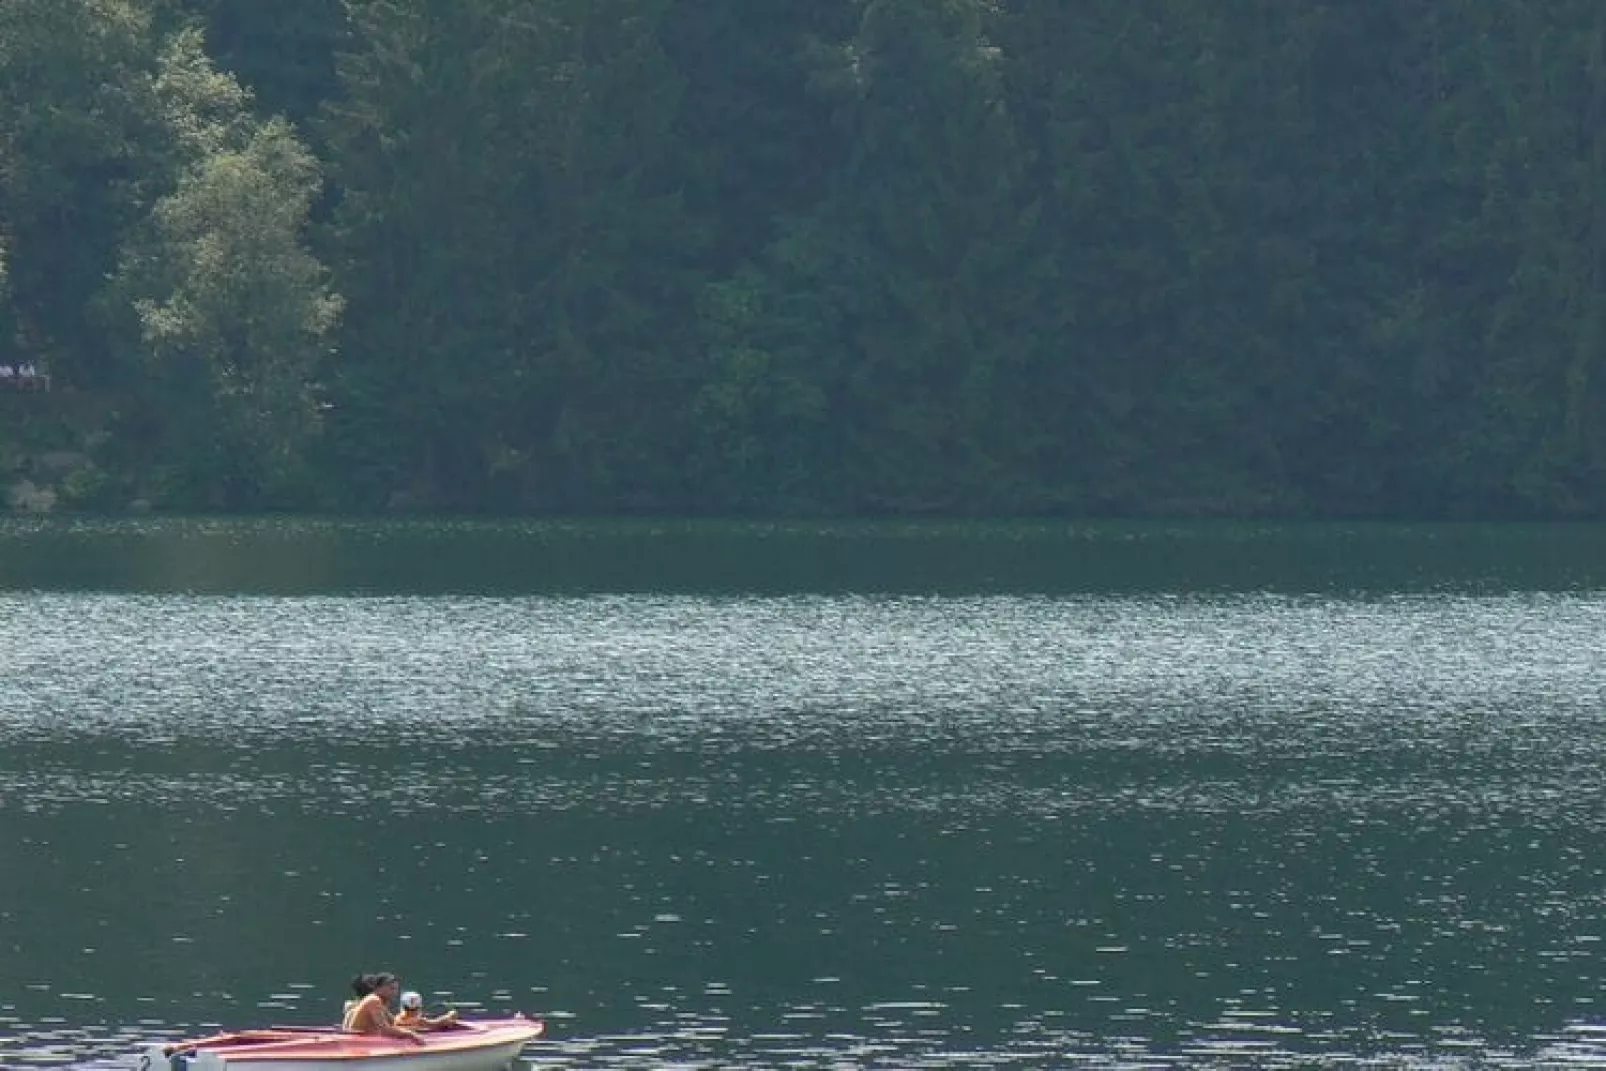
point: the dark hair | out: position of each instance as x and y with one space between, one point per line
364 984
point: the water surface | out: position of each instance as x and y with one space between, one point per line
935 823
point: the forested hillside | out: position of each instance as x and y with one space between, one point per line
1295 258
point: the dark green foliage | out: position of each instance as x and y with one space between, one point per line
282 50
521 263
80 144
153 228
1278 257
765 146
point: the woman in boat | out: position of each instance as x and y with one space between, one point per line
361 986
412 1015
370 1013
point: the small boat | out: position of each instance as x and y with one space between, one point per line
472 1045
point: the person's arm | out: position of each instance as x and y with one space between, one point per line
388 1027
393 1031
374 1018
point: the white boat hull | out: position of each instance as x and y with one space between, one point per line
488 1059
473 1046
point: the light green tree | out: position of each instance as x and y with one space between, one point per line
235 312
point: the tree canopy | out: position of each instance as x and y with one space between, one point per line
1276 258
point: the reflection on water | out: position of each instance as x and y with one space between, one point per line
301 556
814 831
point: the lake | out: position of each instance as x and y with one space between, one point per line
815 796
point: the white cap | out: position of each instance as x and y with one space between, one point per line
410 999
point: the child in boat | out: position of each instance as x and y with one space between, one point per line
413 1018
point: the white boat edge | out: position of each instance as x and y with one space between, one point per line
497 1056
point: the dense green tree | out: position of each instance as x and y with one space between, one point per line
1120 108
908 275
765 146
123 146
80 151
769 146
520 250
426 244
284 51
1289 257
1537 413
234 312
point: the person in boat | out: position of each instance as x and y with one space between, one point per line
361 986
370 1012
412 1015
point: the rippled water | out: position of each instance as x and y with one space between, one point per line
815 831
